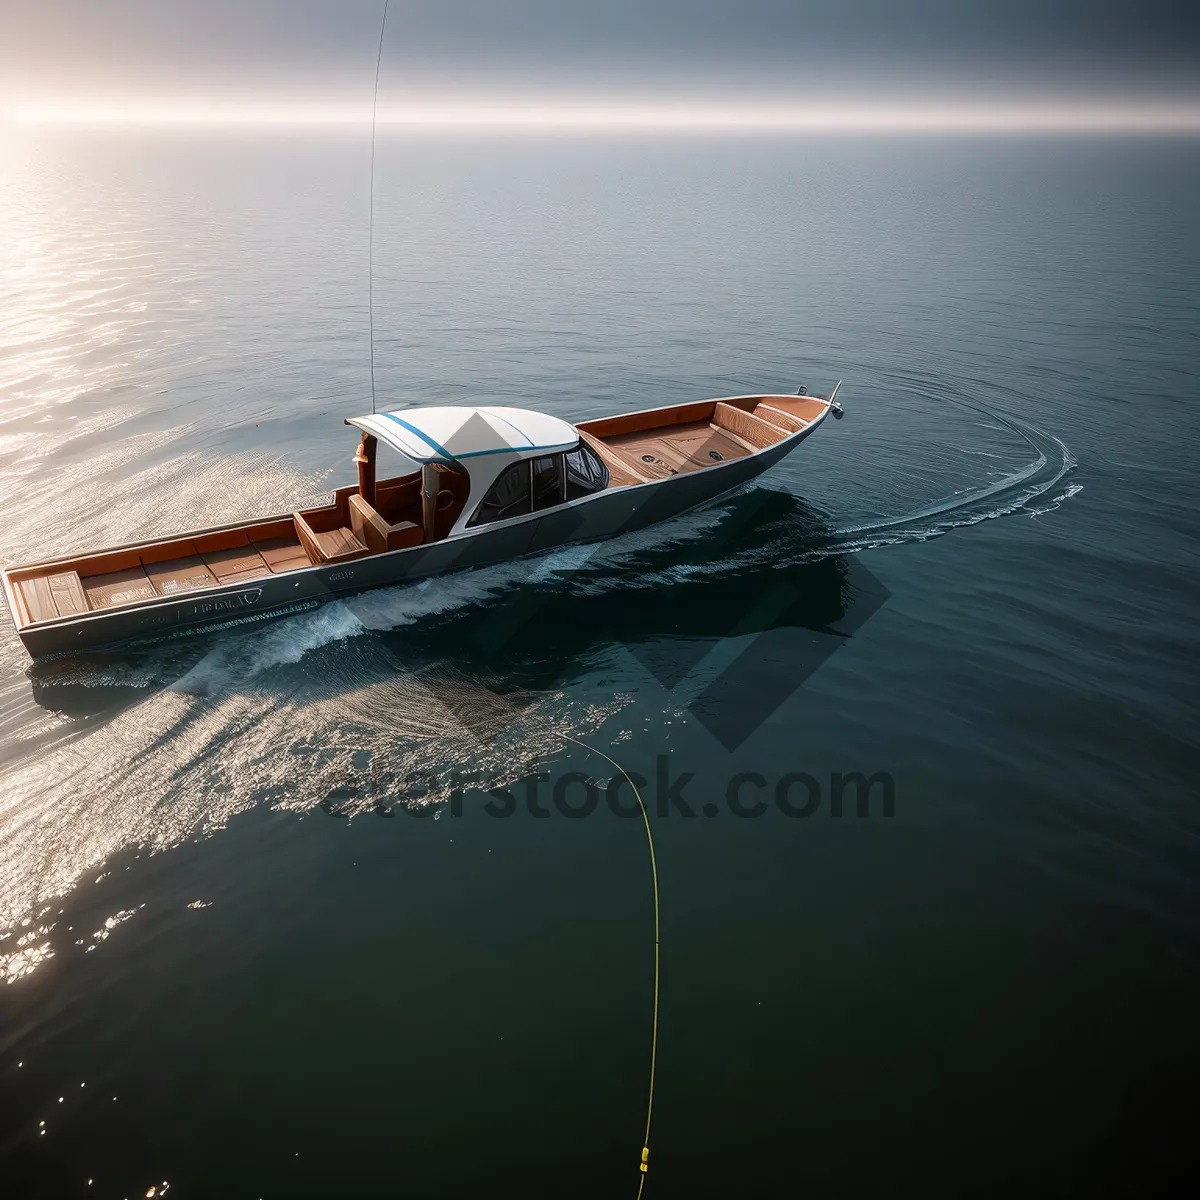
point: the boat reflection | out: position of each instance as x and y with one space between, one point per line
764 566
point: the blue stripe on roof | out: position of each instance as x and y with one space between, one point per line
423 436
519 449
440 449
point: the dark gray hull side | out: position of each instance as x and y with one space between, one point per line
593 518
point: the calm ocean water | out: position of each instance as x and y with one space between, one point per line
234 965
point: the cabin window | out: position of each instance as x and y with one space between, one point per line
509 496
539 483
585 472
547 482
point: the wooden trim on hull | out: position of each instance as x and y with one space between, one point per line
239 573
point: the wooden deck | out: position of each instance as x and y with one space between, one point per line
656 453
644 447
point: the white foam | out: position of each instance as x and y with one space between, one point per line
246 655
391 608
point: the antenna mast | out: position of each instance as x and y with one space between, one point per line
371 213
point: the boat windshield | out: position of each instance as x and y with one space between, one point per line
535 484
585 472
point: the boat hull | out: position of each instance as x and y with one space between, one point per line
595 517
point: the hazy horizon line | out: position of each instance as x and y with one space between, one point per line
873 115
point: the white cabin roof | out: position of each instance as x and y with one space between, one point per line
451 433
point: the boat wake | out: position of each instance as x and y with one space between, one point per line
1016 491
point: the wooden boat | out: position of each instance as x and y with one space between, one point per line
478 485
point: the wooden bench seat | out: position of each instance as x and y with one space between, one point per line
806 408
46 597
325 534
752 431
335 544
377 533
777 416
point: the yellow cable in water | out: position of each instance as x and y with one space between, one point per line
644 1162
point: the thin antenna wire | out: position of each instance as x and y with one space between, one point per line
371 213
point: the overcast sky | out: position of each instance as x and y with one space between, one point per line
327 47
